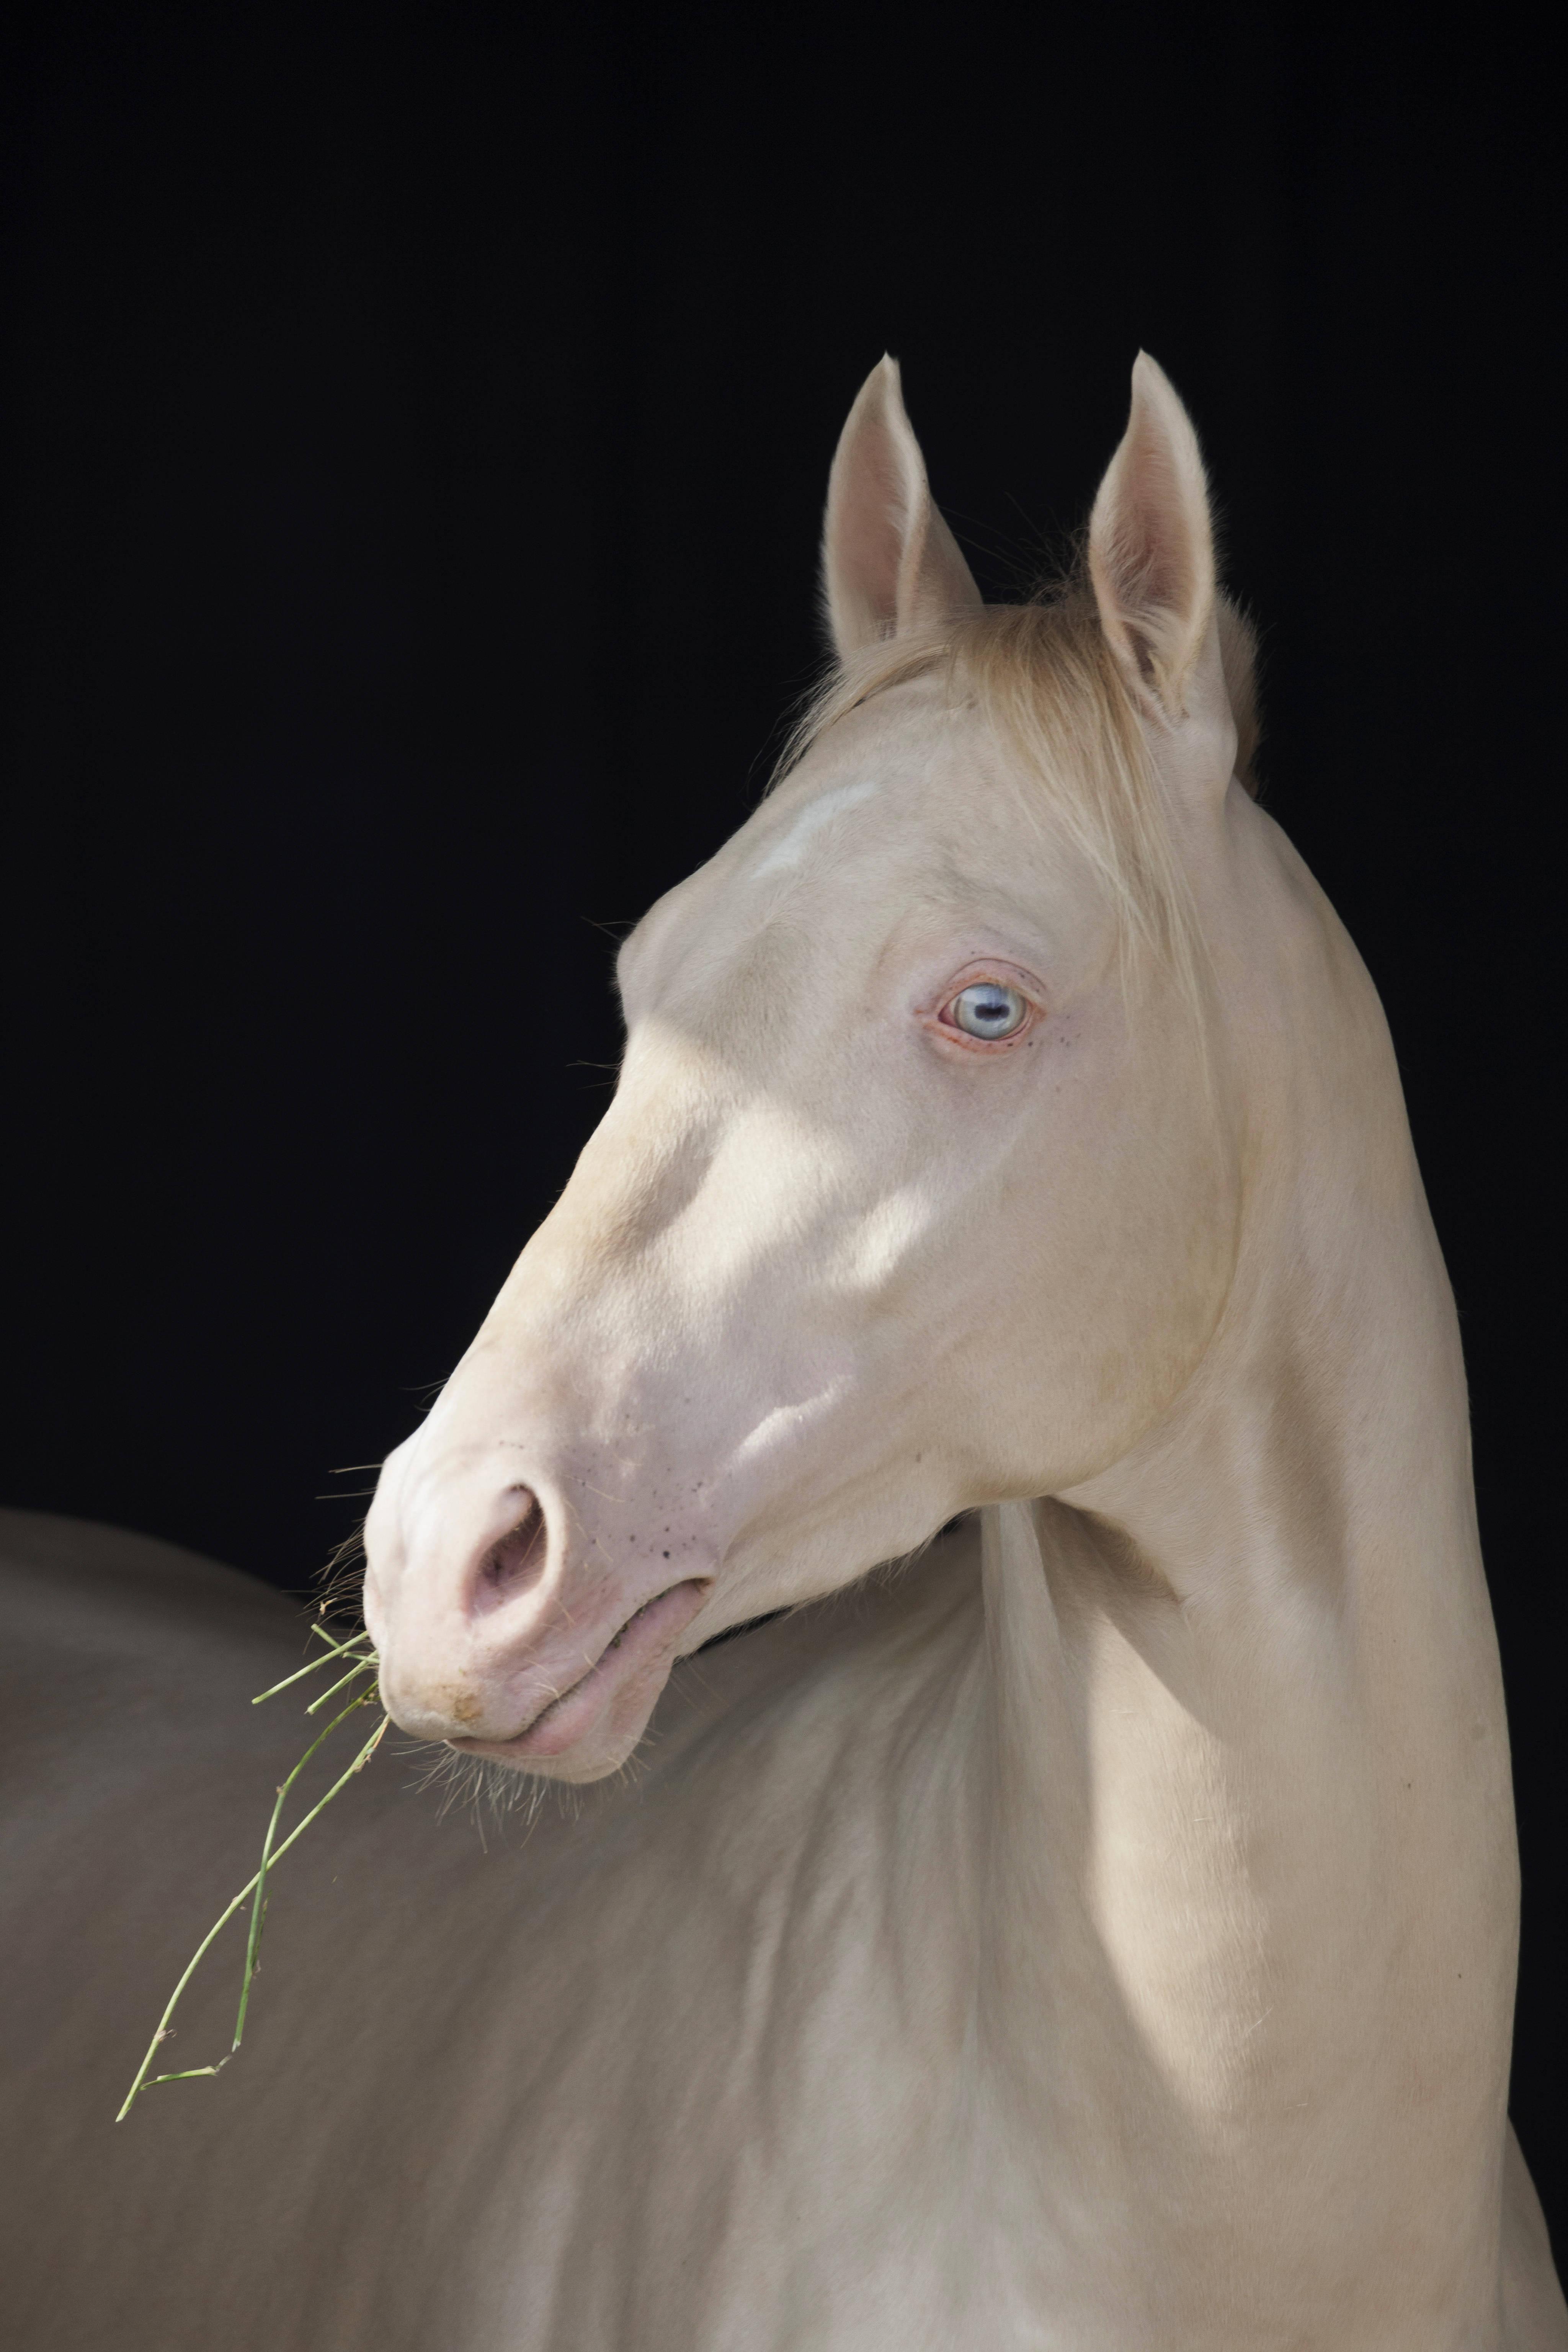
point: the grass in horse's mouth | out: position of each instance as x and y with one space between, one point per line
359 1659
616 1639
363 1661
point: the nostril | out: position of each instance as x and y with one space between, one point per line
517 1559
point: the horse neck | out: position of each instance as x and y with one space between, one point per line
1248 1782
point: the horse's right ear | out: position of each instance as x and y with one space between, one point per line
889 562
1150 547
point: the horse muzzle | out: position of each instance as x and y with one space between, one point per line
511 1624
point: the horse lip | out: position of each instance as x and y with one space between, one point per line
653 1616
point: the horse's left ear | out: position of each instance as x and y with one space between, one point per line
1151 548
888 561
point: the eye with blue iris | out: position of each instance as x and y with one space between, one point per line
987 1009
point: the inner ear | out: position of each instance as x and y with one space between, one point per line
1150 545
889 562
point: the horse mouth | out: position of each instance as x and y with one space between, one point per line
629 1653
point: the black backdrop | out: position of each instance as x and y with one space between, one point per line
418 431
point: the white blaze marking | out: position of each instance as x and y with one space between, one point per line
812 818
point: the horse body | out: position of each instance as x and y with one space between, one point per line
559 2093
545 2095
1103 1933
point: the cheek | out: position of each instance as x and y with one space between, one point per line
1096 1279
1163 1254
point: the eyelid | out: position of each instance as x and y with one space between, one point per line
999 973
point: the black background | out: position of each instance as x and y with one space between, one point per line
418 437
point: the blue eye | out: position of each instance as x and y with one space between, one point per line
986 1009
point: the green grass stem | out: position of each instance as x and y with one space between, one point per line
270 1862
360 1666
335 1650
258 1907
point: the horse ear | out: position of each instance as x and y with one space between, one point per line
889 562
1151 546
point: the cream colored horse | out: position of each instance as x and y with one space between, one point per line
1099 1933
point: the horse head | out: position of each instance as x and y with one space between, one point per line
919 1189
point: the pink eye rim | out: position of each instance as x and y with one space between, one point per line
1021 996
